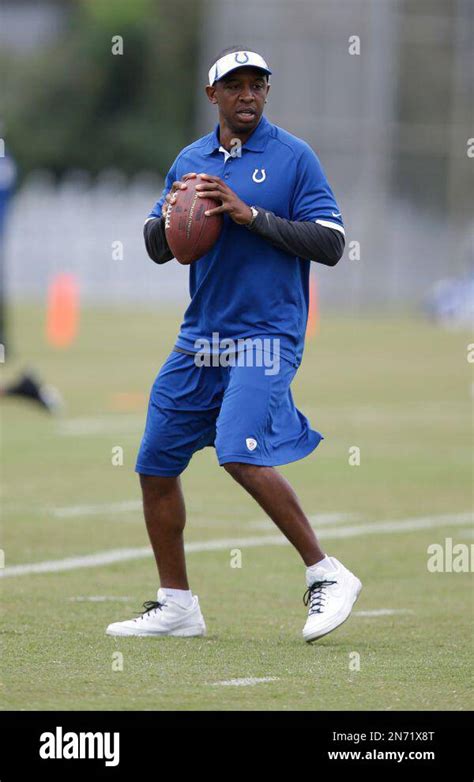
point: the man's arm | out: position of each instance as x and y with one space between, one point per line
308 240
155 240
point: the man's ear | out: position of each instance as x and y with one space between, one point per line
211 94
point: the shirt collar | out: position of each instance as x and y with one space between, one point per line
255 143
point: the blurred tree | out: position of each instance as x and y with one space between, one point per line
78 105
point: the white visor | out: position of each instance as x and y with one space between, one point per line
230 62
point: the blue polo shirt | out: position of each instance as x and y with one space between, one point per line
245 287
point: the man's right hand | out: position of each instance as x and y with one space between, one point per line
171 196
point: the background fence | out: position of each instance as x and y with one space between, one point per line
390 123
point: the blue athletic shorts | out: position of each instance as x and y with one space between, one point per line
245 414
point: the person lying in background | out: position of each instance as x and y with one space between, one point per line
30 388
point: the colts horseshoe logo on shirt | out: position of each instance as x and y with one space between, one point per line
259 178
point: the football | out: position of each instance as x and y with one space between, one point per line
189 233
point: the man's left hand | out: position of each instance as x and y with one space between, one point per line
231 204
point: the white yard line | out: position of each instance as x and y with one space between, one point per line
106 424
128 506
132 506
401 525
249 682
384 612
99 599
72 511
112 556
318 520
135 506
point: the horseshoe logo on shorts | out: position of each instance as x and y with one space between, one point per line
260 178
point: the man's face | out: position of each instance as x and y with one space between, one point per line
240 97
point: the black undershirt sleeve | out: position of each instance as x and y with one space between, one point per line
155 240
307 240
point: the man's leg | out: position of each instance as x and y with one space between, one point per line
183 406
277 498
165 517
332 589
176 611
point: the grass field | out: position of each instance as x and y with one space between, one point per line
399 389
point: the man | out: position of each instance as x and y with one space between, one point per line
252 288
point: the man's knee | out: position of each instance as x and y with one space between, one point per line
157 485
241 471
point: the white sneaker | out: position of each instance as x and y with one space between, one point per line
163 617
330 599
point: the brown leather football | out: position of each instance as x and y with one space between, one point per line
189 233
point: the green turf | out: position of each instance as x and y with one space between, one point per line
400 389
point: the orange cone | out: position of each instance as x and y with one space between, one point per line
313 310
62 316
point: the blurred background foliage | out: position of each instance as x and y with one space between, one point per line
74 104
